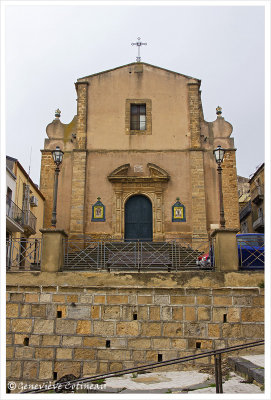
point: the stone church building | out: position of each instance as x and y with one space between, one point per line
138 159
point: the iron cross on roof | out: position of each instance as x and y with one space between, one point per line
138 44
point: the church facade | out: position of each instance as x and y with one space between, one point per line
138 159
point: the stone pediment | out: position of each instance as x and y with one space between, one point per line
119 172
157 172
122 174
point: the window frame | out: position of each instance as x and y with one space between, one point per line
148 117
138 116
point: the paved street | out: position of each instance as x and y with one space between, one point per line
184 382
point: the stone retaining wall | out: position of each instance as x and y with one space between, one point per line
83 328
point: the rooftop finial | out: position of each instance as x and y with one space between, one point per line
138 44
57 113
218 111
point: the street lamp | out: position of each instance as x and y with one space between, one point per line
219 155
57 156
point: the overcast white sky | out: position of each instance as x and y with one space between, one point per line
49 47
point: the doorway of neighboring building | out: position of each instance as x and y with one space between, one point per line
138 219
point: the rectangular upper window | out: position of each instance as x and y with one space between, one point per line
138 117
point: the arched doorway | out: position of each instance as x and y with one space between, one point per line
138 218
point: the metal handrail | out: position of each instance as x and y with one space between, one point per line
216 353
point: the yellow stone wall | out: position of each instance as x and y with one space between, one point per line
173 311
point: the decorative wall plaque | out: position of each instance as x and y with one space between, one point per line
138 168
98 211
178 211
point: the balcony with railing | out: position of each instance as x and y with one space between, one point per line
245 211
14 217
258 224
257 194
29 223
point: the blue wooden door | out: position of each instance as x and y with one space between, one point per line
138 218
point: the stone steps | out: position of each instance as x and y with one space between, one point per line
250 371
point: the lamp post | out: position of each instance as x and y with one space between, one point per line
219 155
57 156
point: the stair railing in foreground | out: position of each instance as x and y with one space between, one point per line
216 353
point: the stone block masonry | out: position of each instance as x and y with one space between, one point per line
47 184
194 104
198 194
230 191
84 328
78 192
82 104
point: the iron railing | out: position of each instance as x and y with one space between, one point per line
29 220
13 211
173 255
245 211
82 253
217 368
23 254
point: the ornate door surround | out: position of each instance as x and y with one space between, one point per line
151 186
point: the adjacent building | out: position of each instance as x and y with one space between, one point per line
256 183
24 215
252 204
14 214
